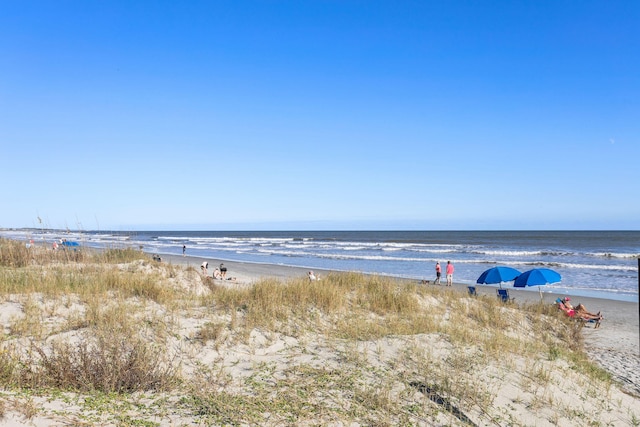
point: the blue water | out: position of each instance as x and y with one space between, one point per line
592 263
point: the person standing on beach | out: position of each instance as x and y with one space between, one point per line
449 273
184 250
438 274
223 271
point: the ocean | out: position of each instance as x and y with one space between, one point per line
601 264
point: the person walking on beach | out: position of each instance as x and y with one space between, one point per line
438 274
449 273
184 250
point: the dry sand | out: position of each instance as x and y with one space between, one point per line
615 346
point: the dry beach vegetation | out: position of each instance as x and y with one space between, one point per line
115 338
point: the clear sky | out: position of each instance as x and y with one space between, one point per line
223 115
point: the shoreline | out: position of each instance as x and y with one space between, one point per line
286 271
587 268
265 267
615 345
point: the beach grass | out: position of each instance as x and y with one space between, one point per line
118 338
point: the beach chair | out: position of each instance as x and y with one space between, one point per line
472 291
596 322
503 295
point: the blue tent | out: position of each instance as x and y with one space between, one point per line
70 245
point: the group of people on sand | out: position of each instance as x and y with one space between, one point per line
219 273
448 271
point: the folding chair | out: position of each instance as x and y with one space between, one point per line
503 294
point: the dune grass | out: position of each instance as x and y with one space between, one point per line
117 328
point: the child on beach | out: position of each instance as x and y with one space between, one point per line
438 274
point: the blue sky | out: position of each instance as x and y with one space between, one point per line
320 115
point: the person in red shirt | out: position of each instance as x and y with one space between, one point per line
438 274
449 273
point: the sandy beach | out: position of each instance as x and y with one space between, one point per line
536 392
615 345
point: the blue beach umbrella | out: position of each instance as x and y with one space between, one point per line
537 277
498 275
